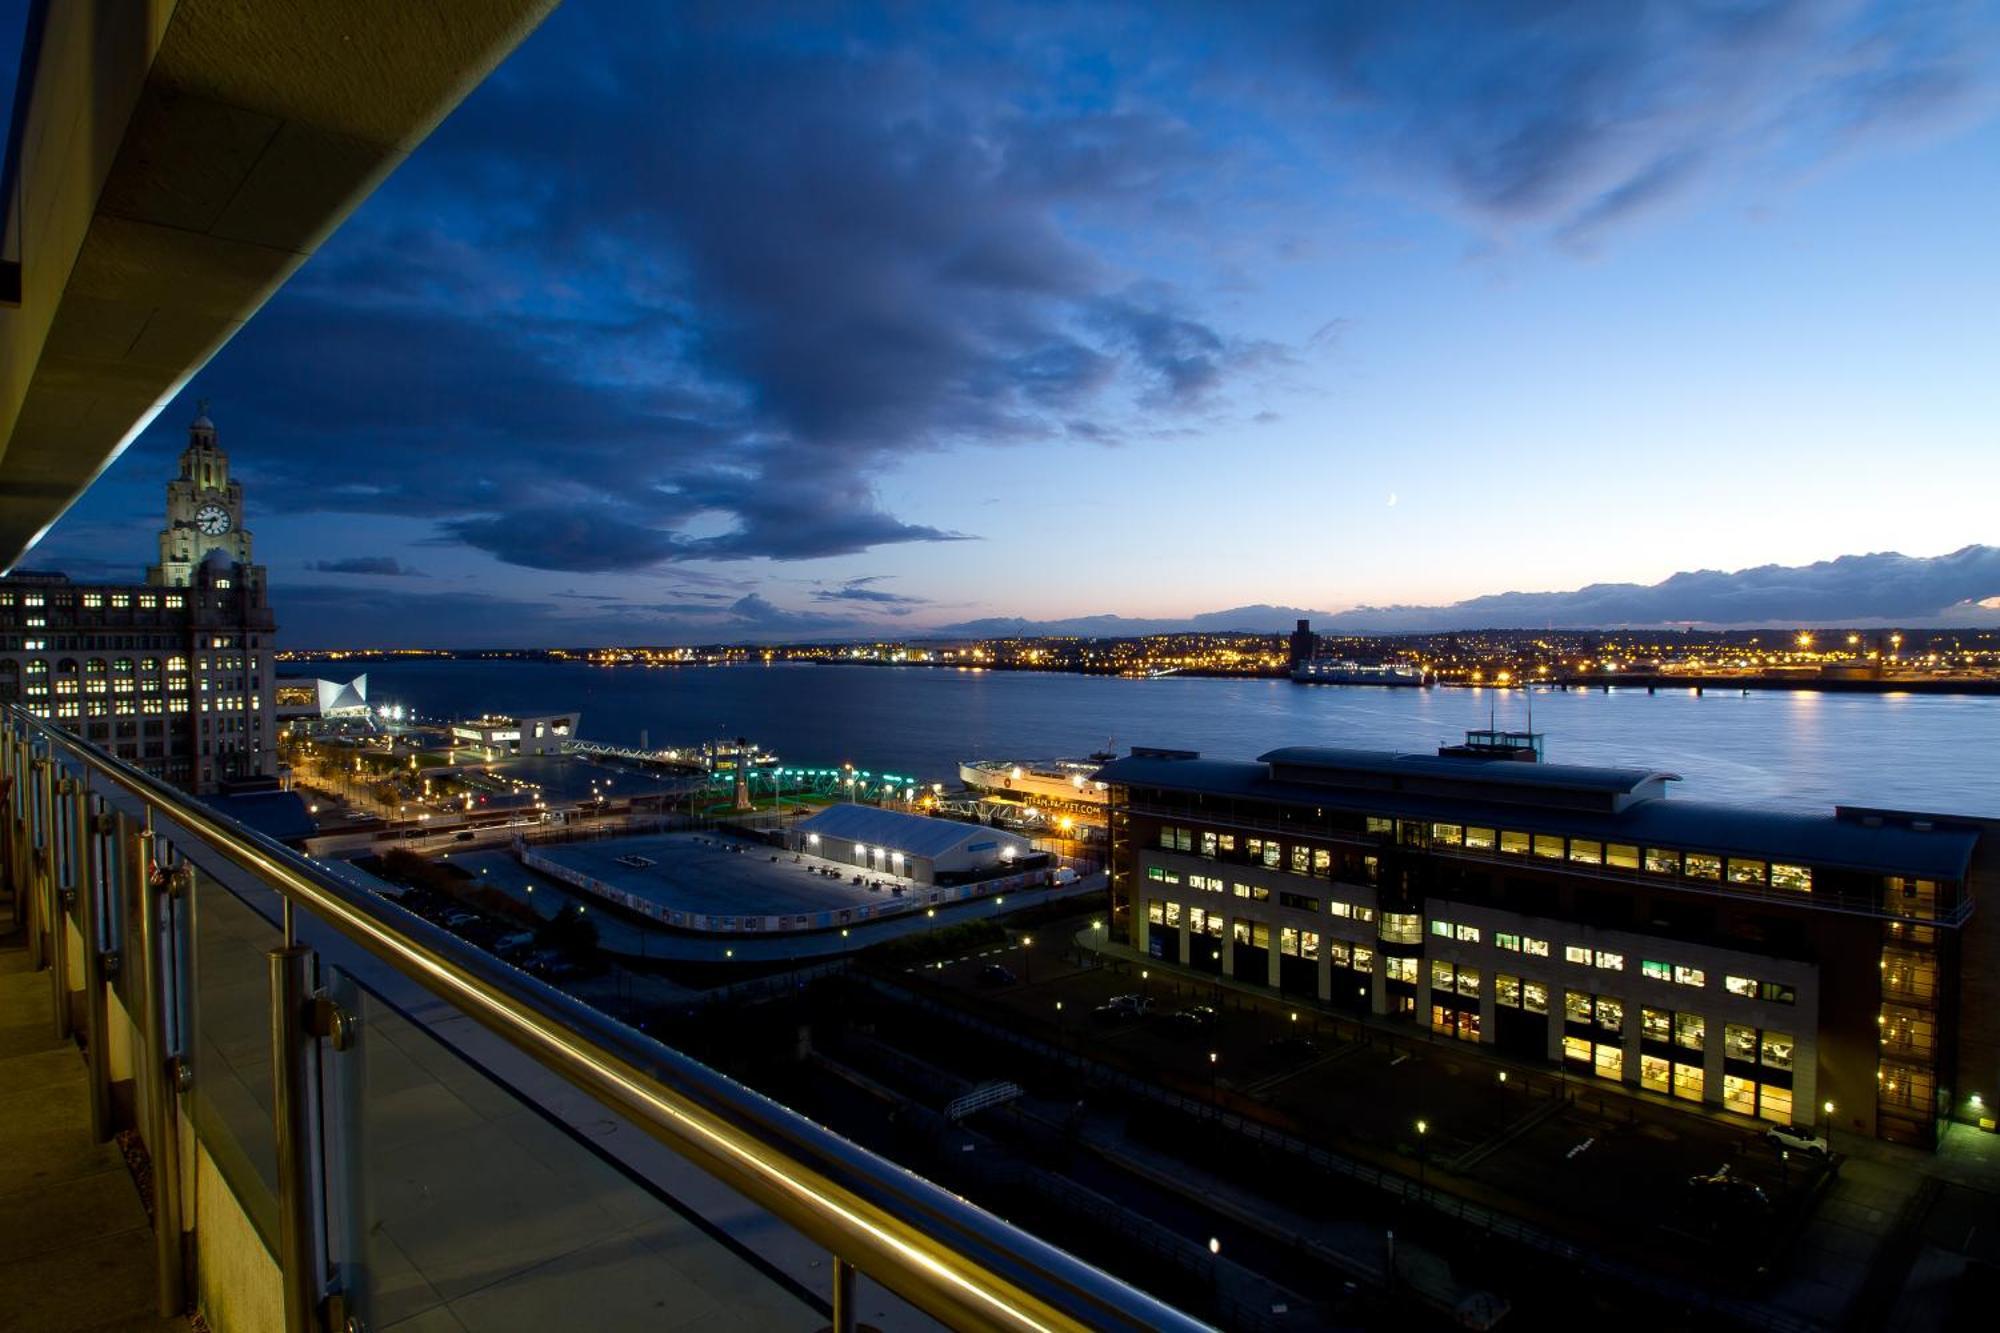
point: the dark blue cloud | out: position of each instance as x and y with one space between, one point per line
383 565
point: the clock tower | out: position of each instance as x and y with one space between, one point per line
204 511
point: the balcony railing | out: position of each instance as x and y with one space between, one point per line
409 1124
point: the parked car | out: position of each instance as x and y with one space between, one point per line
1124 1006
1797 1138
1723 1192
464 837
1194 1018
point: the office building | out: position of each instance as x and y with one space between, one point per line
1765 963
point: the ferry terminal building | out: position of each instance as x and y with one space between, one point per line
1761 962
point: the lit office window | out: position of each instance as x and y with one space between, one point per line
1776 1050
1610 1014
1450 835
1654 1074
1690 1031
1468 981
1776 992
1739 1095
1656 970
1739 1042
1660 861
1534 997
1441 929
1548 846
1401 969
1531 945
1577 1049
1479 839
1507 990
1610 1060
1745 872
1585 852
1700 865
1503 940
1514 844
1576 1006
1610 962
1468 934
1621 856
1690 976
1688 1081
1656 1025
1576 953
1774 1103
1796 878
1743 986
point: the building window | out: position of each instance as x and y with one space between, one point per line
1690 1031
1656 971
1514 844
1479 839
1377 824
1796 878
1776 992
1503 940
1688 1082
1577 1049
1442 929
1531 945
1156 912
1775 1049
1576 1006
1610 1014
1656 1025
1507 990
1610 1060
1739 1095
1654 1074
1172 837
1621 856
1690 976
1441 974
1585 852
1700 865
1739 1042
1534 997
1576 953
1468 934
1548 846
1309 945
1774 1103
1745 872
1401 928
1468 981
1449 835
1400 969
1660 861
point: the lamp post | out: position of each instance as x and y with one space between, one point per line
1423 1154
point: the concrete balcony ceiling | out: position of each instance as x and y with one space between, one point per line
172 165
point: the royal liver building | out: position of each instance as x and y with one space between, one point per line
175 674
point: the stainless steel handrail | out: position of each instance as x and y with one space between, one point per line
945 1256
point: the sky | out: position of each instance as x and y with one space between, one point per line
749 321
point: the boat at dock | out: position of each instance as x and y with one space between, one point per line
1332 671
1052 780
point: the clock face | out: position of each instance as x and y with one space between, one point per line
212 519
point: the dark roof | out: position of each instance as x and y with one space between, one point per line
1384 763
1817 840
914 835
281 815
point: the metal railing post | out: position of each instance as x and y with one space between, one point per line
47 875
291 1115
92 909
64 895
34 890
153 890
843 1296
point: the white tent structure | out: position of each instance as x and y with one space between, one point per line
915 846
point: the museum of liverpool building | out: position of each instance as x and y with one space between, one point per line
1819 969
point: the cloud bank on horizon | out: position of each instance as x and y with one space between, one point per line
691 301
1960 589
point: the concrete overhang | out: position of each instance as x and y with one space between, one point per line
172 163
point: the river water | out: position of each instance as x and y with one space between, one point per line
1793 749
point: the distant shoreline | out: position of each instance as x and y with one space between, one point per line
1623 681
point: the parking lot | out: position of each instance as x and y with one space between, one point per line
1569 1155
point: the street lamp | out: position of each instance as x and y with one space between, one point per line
1423 1154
